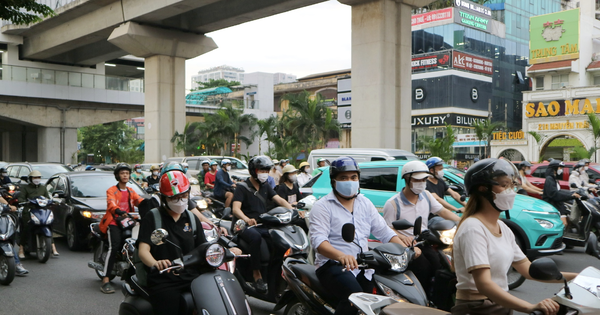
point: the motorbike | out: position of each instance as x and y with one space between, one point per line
286 241
100 245
306 295
40 230
371 304
216 205
214 291
8 226
582 221
10 193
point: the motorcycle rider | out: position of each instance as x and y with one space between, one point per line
438 187
485 248
585 178
414 201
288 188
34 189
4 179
153 178
345 205
249 202
223 183
120 200
575 180
19 268
304 176
202 174
165 289
320 163
275 173
552 192
137 176
210 177
524 170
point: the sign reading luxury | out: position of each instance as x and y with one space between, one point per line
554 37
438 120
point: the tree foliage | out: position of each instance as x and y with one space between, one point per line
443 147
582 153
595 130
212 83
115 140
23 11
484 129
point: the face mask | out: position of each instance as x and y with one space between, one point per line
528 172
4 174
155 173
306 170
138 170
559 171
262 177
440 174
178 206
418 187
505 200
347 188
228 168
293 178
585 168
36 181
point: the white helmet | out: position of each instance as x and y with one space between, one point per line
417 168
225 161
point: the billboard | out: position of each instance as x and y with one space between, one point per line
451 91
439 120
473 15
431 16
473 63
554 37
431 61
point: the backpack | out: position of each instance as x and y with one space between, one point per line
397 203
140 269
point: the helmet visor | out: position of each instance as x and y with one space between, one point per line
504 174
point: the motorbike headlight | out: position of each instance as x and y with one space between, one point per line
545 223
34 219
390 293
284 217
447 236
202 204
92 214
50 218
3 237
211 235
215 255
398 262
11 187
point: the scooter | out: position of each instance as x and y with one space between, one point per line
583 220
371 304
40 230
306 295
8 226
212 292
286 241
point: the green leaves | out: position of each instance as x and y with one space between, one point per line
442 147
23 11
216 83
115 140
484 129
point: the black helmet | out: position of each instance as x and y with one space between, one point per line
484 173
554 164
260 162
2 170
119 168
579 164
524 164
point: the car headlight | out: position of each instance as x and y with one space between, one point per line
34 219
545 223
284 217
447 236
215 254
202 204
390 293
398 262
92 214
50 218
211 235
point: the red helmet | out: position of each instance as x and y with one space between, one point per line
174 183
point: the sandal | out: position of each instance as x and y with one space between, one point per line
107 288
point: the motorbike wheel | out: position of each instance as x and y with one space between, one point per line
515 279
294 307
72 242
44 247
100 257
7 269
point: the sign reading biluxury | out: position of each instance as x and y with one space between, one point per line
432 16
554 37
472 63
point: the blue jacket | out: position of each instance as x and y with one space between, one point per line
222 183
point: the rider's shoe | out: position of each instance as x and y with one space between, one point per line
20 270
261 286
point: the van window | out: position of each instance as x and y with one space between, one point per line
379 178
540 172
405 158
378 158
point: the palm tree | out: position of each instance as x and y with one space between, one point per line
484 130
595 129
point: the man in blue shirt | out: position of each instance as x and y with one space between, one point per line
345 205
224 186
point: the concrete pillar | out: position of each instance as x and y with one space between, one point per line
381 72
49 144
165 52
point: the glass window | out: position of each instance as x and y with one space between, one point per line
24 171
560 80
379 178
49 170
540 172
13 171
50 186
377 158
96 186
539 83
597 80
61 185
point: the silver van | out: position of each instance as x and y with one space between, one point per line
360 155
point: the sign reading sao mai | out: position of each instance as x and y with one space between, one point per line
562 108
554 37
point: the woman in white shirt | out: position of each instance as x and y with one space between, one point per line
485 248
304 176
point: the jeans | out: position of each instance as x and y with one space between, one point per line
254 237
341 284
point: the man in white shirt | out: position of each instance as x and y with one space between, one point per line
413 202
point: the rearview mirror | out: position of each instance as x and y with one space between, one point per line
158 236
463 198
592 246
24 178
58 194
348 232
239 227
544 269
402 224
417 228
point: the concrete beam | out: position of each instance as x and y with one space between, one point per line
90 55
412 3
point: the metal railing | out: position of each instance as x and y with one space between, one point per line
68 78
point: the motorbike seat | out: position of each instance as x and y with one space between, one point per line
307 274
186 302
264 249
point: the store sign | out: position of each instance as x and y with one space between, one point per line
419 94
431 61
562 108
473 7
473 63
512 135
344 85
432 16
473 15
344 114
554 37
474 94
439 120
467 137
466 156
567 125
344 98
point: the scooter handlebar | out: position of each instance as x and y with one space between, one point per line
537 313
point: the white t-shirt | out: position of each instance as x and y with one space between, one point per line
410 211
475 247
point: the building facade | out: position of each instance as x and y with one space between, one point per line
228 73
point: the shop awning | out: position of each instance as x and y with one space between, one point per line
594 66
550 66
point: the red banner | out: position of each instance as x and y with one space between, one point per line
432 16
469 62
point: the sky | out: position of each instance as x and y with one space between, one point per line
305 41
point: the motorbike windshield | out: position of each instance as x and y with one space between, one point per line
96 186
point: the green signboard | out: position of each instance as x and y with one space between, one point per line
554 37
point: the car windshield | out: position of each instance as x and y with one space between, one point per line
49 170
405 158
455 171
96 186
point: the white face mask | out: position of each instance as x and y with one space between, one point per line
440 174
307 170
4 174
585 168
505 200
178 206
528 172
155 173
262 177
36 181
228 168
137 170
559 171
418 187
292 178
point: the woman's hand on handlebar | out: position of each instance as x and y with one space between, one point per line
547 306
251 222
162 264
348 261
236 251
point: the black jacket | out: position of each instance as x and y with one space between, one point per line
553 195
